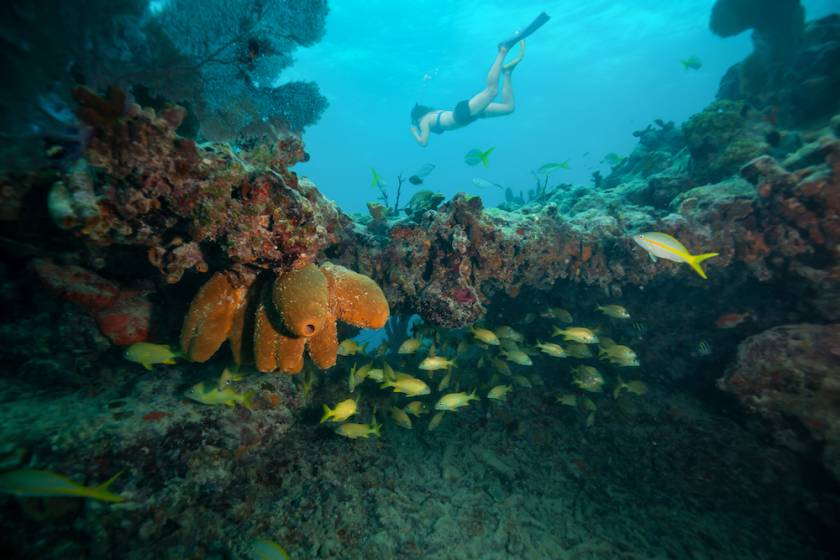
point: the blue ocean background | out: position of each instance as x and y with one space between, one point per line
596 72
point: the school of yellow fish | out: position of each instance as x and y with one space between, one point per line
424 375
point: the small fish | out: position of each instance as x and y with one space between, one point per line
578 350
703 349
215 396
619 354
416 408
508 344
262 549
444 383
485 184
613 159
349 347
501 366
434 363
567 399
376 181
691 63
508 333
147 354
639 329
557 313
354 431
614 311
357 376
227 378
47 484
523 381
376 374
550 168
552 349
407 384
308 383
342 411
422 173
590 420
499 392
732 320
588 378
636 387
435 421
410 346
589 404
664 246
517 357
581 335
485 335
453 401
476 156
400 417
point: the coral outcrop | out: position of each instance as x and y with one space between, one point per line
124 316
274 322
790 375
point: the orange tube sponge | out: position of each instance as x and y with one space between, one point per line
301 299
272 350
210 318
356 298
323 347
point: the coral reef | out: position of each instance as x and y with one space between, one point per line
141 184
790 376
297 310
215 57
124 316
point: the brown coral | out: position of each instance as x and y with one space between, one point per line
298 309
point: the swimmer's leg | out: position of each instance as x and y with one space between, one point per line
481 100
507 104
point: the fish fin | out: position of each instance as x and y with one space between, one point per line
169 362
248 399
147 366
695 260
101 492
327 414
652 257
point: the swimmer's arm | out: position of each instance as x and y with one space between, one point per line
421 134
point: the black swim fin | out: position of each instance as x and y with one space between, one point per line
519 35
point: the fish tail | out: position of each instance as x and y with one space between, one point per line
248 399
327 414
375 427
695 260
101 492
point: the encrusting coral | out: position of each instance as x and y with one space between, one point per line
298 309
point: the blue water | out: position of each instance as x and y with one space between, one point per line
593 74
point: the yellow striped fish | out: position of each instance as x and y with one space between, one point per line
664 246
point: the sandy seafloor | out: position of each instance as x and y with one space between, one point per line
654 477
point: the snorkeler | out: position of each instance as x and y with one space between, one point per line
425 120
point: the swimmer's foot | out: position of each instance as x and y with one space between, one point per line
512 64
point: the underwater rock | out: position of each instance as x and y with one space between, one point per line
124 317
790 375
801 86
721 138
